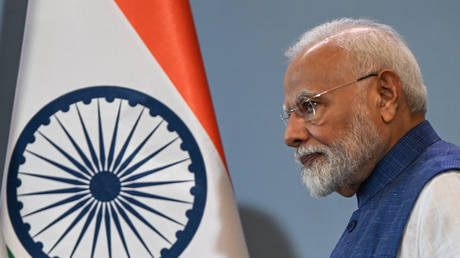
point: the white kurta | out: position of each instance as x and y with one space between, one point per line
433 228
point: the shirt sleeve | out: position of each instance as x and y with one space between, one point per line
433 228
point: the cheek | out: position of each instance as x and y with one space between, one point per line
337 119
334 126
340 110
327 134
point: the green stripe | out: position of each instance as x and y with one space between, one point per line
10 255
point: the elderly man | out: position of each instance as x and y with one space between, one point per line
355 108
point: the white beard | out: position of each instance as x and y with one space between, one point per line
341 161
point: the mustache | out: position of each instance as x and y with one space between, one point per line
307 150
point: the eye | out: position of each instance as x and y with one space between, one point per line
307 106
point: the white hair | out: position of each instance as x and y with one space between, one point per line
378 48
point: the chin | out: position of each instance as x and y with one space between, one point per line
317 187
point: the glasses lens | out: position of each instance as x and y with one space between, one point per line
285 115
306 108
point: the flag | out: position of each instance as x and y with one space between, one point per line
114 149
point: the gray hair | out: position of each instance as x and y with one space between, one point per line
378 48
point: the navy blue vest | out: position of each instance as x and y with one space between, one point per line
386 198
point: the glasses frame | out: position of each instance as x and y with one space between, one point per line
286 113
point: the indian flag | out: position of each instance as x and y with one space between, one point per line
114 149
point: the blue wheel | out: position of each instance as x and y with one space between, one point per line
106 172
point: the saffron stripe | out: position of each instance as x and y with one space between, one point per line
167 29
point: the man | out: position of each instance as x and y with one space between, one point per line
355 107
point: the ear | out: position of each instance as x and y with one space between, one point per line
389 90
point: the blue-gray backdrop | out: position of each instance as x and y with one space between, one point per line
242 43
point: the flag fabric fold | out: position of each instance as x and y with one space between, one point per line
114 149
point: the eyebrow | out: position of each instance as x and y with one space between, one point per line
303 94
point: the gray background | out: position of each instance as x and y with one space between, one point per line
242 44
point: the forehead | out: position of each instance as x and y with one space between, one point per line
315 69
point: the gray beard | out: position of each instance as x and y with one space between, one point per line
341 162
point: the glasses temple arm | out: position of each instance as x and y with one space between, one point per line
343 85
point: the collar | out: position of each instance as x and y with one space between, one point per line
405 151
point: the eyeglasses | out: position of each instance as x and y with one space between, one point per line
306 107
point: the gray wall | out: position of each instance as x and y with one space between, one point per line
242 44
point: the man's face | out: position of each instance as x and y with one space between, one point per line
336 150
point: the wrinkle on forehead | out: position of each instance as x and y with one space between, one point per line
344 33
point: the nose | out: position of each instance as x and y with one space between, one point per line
296 133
